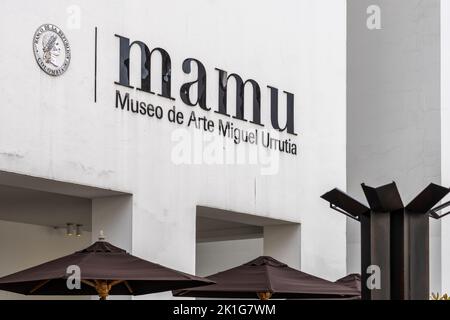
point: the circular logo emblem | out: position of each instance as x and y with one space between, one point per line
51 49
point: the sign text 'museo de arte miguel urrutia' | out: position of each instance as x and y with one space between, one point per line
223 127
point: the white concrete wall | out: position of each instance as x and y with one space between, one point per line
25 245
445 118
213 257
44 208
50 127
394 127
113 217
283 243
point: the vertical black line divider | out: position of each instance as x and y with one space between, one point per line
95 68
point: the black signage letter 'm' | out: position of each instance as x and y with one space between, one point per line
240 90
146 55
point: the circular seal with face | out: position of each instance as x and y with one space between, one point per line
51 49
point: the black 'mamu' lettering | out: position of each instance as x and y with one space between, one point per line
201 85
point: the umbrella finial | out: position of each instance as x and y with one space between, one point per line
264 295
101 237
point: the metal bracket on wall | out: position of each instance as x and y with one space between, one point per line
434 212
335 208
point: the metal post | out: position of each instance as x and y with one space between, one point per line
394 238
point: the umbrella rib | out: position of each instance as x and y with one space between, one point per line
269 283
115 282
89 283
128 287
39 285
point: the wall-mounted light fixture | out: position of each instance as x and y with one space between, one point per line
78 230
69 229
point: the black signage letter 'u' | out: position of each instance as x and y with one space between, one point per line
289 113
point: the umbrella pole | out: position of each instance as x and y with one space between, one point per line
264 295
102 288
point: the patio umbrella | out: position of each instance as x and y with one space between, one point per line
105 270
268 278
352 280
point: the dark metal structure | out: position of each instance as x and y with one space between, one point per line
394 238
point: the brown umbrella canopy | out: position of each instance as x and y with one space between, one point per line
105 270
267 278
352 281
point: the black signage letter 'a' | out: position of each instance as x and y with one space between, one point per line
289 113
201 85
146 55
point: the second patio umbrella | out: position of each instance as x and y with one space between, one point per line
352 281
105 270
267 278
